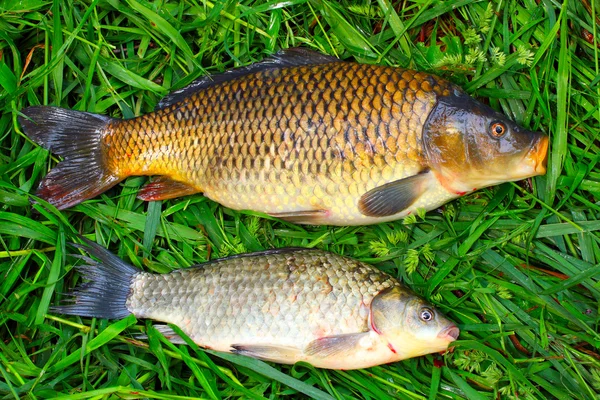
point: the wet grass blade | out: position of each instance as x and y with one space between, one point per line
559 137
163 26
266 370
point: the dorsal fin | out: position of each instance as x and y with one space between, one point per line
293 57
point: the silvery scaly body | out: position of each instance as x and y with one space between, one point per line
301 136
284 306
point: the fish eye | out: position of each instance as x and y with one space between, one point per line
497 129
426 314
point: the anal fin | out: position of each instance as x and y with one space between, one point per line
279 354
164 188
334 345
302 217
393 197
167 332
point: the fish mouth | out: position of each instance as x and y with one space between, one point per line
538 155
449 333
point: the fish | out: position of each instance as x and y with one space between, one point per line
284 306
300 136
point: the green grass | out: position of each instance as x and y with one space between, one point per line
516 266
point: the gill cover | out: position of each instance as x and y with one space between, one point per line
397 311
388 309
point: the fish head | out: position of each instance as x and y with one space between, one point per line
469 146
411 326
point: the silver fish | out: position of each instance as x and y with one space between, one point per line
284 306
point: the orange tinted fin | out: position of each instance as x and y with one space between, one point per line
164 188
393 197
302 217
76 136
280 354
332 345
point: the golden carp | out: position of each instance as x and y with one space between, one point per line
301 136
284 306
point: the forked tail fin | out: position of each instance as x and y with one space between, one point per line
109 286
76 136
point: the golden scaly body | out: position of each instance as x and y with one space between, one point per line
291 139
300 136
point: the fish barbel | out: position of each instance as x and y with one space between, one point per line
284 306
301 136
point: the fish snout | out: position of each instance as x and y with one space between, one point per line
449 333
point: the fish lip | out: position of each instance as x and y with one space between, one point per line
537 157
450 333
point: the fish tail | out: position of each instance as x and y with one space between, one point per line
106 293
76 136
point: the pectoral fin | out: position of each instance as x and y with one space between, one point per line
302 217
393 197
164 188
279 354
333 345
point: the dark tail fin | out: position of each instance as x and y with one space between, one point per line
109 286
75 136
